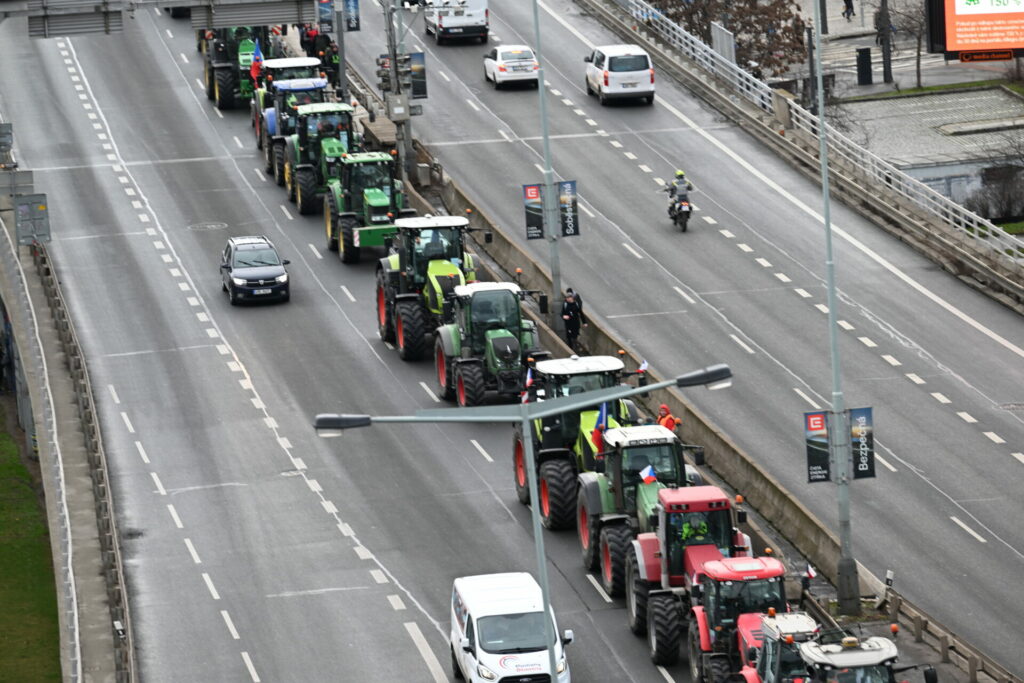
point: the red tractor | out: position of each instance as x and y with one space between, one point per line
772 648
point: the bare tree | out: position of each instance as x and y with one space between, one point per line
911 18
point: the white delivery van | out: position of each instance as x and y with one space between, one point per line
456 19
620 72
498 633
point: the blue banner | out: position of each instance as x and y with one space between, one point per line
568 213
862 443
325 15
351 15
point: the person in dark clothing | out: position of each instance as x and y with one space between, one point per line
848 9
572 314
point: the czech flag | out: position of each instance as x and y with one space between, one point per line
643 367
602 423
648 475
810 572
527 384
257 62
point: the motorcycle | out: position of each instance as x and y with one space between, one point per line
679 209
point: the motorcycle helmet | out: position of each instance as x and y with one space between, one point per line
680 174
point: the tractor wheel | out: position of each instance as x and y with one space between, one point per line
588 526
305 192
330 209
277 149
385 321
664 628
443 372
410 330
348 252
209 80
268 152
521 476
615 540
718 670
224 89
636 595
469 384
289 180
695 653
557 491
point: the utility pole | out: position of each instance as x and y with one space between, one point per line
339 29
886 21
823 13
408 154
397 101
812 79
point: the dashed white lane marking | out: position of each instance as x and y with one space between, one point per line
396 602
202 317
287 214
556 93
175 517
444 76
127 422
168 32
804 294
113 393
129 191
209 585
245 384
709 220
645 168
726 233
630 156
363 552
580 112
966 417
665 674
941 398
995 438
270 422
345 529
480 448
192 551
425 652
390 346
237 141
914 378
631 250
1019 456
505 135
256 403
193 301
969 530
378 576
151 232
212 332
659 181
284 443
159 486
586 210
742 344
810 401
615 143
566 101
430 393
227 622
314 485
763 262
683 294
218 113
783 277
329 507
137 205
472 104
142 452
884 462
122 179
597 587
822 307
245 657
845 325
348 293
298 463
175 272
539 167
202 86
744 247
261 174
183 57
316 252
166 258
591 122
866 341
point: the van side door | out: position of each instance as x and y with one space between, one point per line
469 658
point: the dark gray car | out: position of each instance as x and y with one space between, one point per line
252 270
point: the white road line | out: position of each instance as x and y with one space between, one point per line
329 507
257 404
783 277
234 366
192 551
156 10
426 653
378 576
726 233
591 122
822 307
396 602
231 626
566 101
212 332
659 181
645 168
891 360
261 174
218 113
127 422
885 462
345 529
585 209
209 585
314 485
741 343
764 263
298 463
995 438
845 325
284 210
709 220
472 104
810 401
167 258
580 112
142 452
246 384
866 341
363 552
169 34
1019 456
969 530
270 422
175 272
941 398
183 57
202 86
683 294
316 252
175 517
444 76
556 93
804 294
539 167
505 135
248 662
914 378
631 250
597 587
159 486
430 393
665 674
348 293
113 393
630 155
744 247
222 349
193 301
480 448
615 143
237 141
966 417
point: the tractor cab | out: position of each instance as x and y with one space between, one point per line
837 657
487 312
734 592
288 68
325 132
434 251
371 187
288 97
771 647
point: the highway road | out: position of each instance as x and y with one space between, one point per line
258 552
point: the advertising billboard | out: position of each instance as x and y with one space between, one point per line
979 30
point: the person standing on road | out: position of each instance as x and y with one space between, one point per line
848 9
572 314
665 417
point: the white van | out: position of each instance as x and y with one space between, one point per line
456 19
620 72
498 631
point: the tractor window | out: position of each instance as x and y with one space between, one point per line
494 310
661 457
367 176
746 597
439 243
289 72
577 384
864 674
327 125
713 527
790 664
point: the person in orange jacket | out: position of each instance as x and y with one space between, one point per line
665 417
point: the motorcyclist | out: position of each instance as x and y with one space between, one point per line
680 185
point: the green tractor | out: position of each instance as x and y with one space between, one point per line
428 260
313 154
615 501
228 54
272 71
488 344
563 445
277 124
362 197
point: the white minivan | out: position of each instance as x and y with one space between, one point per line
498 633
456 19
620 72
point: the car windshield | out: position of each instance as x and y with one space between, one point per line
750 597
496 310
250 258
512 55
863 674
577 384
505 633
627 63
327 124
661 457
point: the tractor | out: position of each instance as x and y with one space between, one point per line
771 647
272 72
615 502
228 54
428 260
323 135
563 444
839 657
363 195
487 345
278 120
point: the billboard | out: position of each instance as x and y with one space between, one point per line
568 209
534 204
862 443
351 15
976 30
418 65
325 15
816 435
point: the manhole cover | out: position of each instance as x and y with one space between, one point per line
210 225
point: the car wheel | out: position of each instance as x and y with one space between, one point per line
590 91
602 100
650 99
232 299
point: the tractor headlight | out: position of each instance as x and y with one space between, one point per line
281 278
562 665
485 673
239 282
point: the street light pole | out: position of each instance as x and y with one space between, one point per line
339 29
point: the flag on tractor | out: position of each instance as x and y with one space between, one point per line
527 384
648 475
257 62
597 437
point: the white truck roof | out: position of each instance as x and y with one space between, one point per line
851 653
427 222
473 288
288 62
797 624
638 436
491 594
579 365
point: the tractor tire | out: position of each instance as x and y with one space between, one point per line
330 209
615 540
469 384
588 527
557 493
277 149
385 316
443 372
289 179
209 80
718 670
305 191
664 628
224 89
348 252
695 654
268 153
519 473
636 596
410 330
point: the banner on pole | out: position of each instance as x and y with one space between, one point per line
418 65
816 434
325 15
534 203
862 443
568 210
351 15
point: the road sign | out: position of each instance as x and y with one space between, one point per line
15 182
31 219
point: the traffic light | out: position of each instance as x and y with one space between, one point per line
384 73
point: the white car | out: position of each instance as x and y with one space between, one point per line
620 72
511 64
